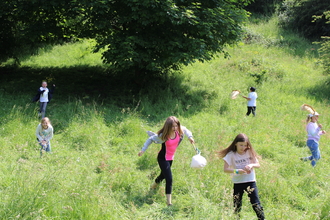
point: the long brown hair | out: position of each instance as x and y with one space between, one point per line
166 130
232 147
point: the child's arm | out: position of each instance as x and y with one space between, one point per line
188 133
154 138
38 133
50 136
227 169
247 98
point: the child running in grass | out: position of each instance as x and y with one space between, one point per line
314 131
169 136
44 96
252 101
240 159
44 133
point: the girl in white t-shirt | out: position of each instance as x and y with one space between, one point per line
252 101
44 133
240 159
45 96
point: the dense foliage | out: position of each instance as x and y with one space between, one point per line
265 7
140 36
153 35
25 25
298 15
325 46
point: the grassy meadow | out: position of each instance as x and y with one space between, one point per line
100 122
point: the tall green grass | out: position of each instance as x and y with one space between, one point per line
94 171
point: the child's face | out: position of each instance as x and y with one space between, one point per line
174 127
44 84
241 147
315 118
44 124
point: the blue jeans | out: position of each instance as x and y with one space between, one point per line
314 148
43 106
46 148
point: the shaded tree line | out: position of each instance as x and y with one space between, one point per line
139 36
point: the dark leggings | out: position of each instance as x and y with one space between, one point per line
166 173
251 109
251 189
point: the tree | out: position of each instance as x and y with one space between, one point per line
157 35
140 36
298 15
26 24
324 50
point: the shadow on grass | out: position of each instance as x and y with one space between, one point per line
321 92
163 93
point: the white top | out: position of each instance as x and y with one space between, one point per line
44 134
313 131
238 161
44 95
253 96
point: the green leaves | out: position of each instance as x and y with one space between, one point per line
166 34
149 36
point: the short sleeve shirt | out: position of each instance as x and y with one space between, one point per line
238 161
253 96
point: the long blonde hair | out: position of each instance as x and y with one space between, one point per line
45 119
166 130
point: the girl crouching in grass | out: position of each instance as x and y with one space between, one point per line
44 133
169 136
240 159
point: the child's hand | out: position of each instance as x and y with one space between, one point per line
140 153
192 141
248 169
242 171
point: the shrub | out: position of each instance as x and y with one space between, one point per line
298 15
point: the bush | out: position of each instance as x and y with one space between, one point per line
298 15
325 46
265 7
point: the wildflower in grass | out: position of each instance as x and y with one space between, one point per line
170 136
240 159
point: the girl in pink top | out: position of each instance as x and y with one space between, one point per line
170 136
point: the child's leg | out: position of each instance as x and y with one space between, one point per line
48 148
254 108
314 148
249 110
166 174
43 106
237 196
252 191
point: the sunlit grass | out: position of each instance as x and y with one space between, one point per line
94 171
